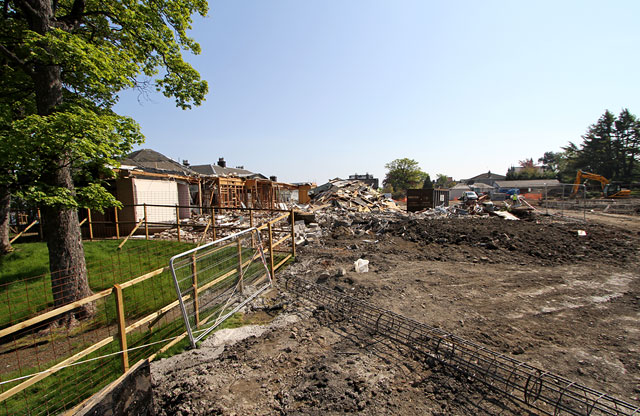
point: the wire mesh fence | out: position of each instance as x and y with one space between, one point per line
570 197
23 298
557 198
192 223
51 359
215 280
564 198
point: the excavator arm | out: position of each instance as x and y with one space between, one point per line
609 190
587 175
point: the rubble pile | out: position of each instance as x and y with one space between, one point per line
352 195
343 222
449 212
226 223
339 223
477 209
337 208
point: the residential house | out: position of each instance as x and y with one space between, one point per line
488 178
149 177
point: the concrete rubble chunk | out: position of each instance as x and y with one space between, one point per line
351 195
361 265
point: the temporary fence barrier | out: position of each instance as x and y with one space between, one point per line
215 280
562 198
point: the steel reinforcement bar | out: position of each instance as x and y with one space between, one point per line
542 390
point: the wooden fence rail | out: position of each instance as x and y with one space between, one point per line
95 227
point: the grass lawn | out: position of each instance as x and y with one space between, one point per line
74 384
25 284
25 297
32 259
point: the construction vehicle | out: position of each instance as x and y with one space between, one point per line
609 189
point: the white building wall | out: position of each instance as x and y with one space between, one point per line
156 192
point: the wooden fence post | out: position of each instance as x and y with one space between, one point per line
40 224
200 196
271 268
196 303
213 222
146 223
115 210
122 324
240 276
90 224
253 238
178 221
293 233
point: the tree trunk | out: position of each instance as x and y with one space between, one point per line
66 254
5 205
61 228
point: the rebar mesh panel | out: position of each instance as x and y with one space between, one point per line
546 392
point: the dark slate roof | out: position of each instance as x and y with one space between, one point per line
216 170
488 175
150 160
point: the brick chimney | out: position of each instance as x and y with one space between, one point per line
222 163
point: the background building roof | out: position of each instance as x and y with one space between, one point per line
530 183
153 161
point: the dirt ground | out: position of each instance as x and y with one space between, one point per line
533 289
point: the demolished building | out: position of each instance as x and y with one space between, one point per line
161 191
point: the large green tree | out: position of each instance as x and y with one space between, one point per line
611 146
403 174
63 64
427 183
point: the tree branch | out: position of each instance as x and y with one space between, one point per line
16 59
27 8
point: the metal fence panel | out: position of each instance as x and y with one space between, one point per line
215 280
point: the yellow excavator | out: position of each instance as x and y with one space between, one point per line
609 189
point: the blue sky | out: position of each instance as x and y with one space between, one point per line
312 90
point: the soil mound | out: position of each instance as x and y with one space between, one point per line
497 240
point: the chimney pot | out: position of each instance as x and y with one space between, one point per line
222 163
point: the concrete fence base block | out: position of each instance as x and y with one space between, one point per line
131 394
